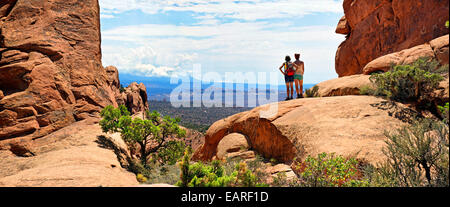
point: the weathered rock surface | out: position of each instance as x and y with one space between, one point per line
233 142
135 97
435 49
51 65
348 85
346 125
274 172
381 27
235 145
51 73
74 156
343 27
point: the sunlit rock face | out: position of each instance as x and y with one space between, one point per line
379 27
51 73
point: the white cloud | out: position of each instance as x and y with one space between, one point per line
242 44
144 61
106 16
256 46
244 10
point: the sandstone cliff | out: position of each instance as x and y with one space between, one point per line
51 73
379 27
53 87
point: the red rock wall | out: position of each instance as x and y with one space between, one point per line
51 73
381 27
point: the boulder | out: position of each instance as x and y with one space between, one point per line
343 27
274 171
435 49
135 97
344 86
381 27
440 49
345 125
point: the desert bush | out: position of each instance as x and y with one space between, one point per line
417 155
444 113
256 166
404 83
171 153
368 90
141 178
150 134
163 174
312 92
214 175
281 180
328 170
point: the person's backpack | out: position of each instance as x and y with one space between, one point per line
289 69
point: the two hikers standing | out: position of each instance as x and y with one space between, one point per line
293 72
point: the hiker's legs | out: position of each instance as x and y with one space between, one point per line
292 89
287 90
301 87
297 86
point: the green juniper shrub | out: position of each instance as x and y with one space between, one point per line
328 170
368 90
245 177
405 83
121 88
150 134
417 156
171 153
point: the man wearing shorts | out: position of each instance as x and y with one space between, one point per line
298 77
289 72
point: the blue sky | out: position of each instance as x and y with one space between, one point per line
167 37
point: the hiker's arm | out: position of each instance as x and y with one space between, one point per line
303 68
295 67
282 70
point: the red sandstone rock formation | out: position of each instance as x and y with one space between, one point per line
379 27
346 125
134 97
345 86
436 49
51 73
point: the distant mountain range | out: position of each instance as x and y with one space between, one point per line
160 88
